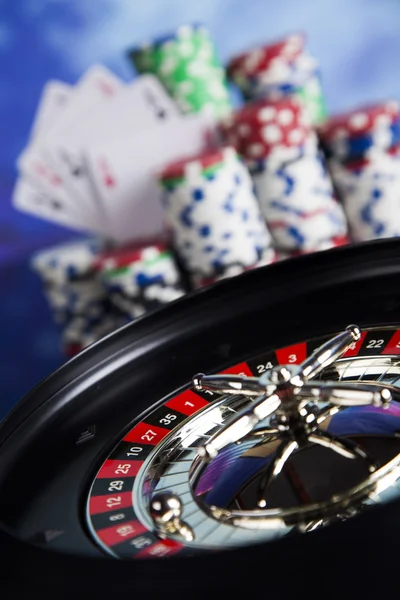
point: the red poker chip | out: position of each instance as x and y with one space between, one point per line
257 60
360 121
254 111
204 160
260 127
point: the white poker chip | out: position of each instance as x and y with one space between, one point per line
215 218
370 196
66 262
298 203
154 267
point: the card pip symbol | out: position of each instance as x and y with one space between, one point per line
106 88
75 169
43 171
108 179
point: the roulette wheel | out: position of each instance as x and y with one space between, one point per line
129 470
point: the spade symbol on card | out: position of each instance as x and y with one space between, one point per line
75 169
56 204
43 199
160 111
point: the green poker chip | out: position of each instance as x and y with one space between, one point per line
311 95
117 272
187 64
173 182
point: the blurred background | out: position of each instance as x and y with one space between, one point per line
357 43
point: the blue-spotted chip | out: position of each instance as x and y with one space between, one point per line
214 217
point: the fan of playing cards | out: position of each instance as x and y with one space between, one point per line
95 150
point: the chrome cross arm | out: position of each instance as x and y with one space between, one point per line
240 426
346 394
229 384
286 448
345 447
290 410
326 354
290 389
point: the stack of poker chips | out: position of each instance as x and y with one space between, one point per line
140 280
186 63
280 69
292 184
214 217
93 291
77 299
363 151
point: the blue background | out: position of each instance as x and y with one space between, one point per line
356 41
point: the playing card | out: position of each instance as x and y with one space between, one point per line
124 172
40 166
31 199
49 202
54 99
52 103
138 106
